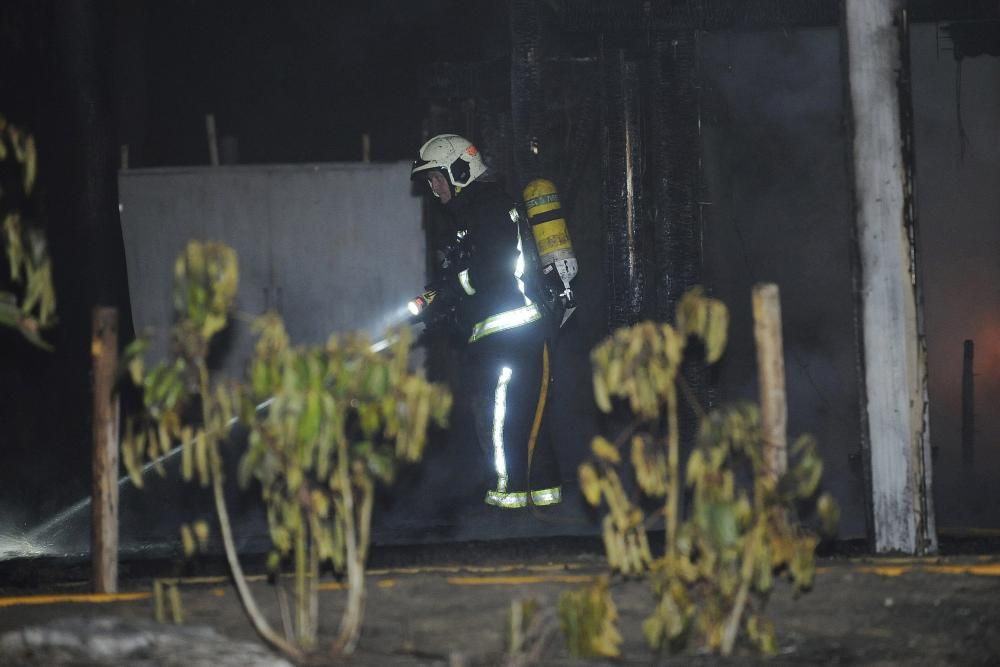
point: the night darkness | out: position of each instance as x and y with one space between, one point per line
301 82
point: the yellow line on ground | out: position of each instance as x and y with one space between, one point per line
517 581
982 570
332 586
879 561
986 570
886 570
341 586
893 567
98 598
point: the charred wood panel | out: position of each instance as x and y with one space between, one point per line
622 165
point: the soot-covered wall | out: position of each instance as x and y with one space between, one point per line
778 210
957 141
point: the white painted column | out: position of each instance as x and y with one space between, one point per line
894 350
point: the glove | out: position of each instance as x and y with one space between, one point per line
437 307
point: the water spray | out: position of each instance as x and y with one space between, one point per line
42 540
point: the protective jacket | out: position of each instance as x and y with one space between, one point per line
506 369
494 294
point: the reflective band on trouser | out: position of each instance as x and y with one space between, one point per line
506 320
499 415
540 497
463 278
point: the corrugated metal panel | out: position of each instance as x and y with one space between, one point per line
333 247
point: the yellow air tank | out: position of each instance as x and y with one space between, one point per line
551 236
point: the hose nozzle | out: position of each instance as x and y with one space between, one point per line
418 305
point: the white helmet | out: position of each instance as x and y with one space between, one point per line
453 155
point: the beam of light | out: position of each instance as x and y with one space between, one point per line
394 318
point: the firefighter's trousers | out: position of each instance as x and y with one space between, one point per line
509 377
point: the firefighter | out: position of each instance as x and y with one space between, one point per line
487 279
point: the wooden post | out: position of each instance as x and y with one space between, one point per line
893 349
771 376
968 408
104 500
366 148
213 142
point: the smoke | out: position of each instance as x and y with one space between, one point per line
957 140
774 154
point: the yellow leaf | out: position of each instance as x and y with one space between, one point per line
782 549
30 165
201 456
716 325
130 447
605 450
601 392
829 513
673 347
294 479
589 484
281 539
695 467
670 616
136 365
692 313
187 453
213 324
588 619
761 633
201 533
611 546
614 374
652 628
15 248
187 540
320 503
803 564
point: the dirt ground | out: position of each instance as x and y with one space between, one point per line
940 611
